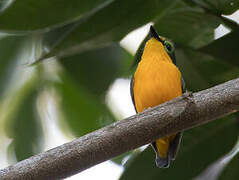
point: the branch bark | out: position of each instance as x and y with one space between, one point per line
182 113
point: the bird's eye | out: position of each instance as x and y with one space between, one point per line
169 47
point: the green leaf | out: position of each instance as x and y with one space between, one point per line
231 171
187 26
79 109
96 69
229 6
224 48
9 48
30 15
197 68
4 4
20 91
24 126
108 25
188 62
200 147
226 7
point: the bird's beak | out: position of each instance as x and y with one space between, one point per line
154 34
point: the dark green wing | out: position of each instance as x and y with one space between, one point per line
173 57
132 92
174 146
183 85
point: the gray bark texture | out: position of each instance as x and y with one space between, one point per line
187 111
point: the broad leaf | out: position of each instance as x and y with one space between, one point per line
224 48
96 69
31 15
79 109
187 26
9 48
23 124
231 171
197 68
226 7
108 25
190 72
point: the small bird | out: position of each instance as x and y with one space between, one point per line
157 80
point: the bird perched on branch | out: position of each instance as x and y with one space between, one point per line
157 80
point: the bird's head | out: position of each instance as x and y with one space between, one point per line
160 46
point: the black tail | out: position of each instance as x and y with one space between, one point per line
162 162
174 146
172 152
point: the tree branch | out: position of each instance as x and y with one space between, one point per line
179 114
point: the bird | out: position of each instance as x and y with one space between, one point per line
157 79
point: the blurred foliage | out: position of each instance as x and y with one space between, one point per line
56 12
25 129
106 64
9 48
82 38
83 111
231 171
93 33
227 53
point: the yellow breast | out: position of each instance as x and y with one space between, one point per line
156 79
